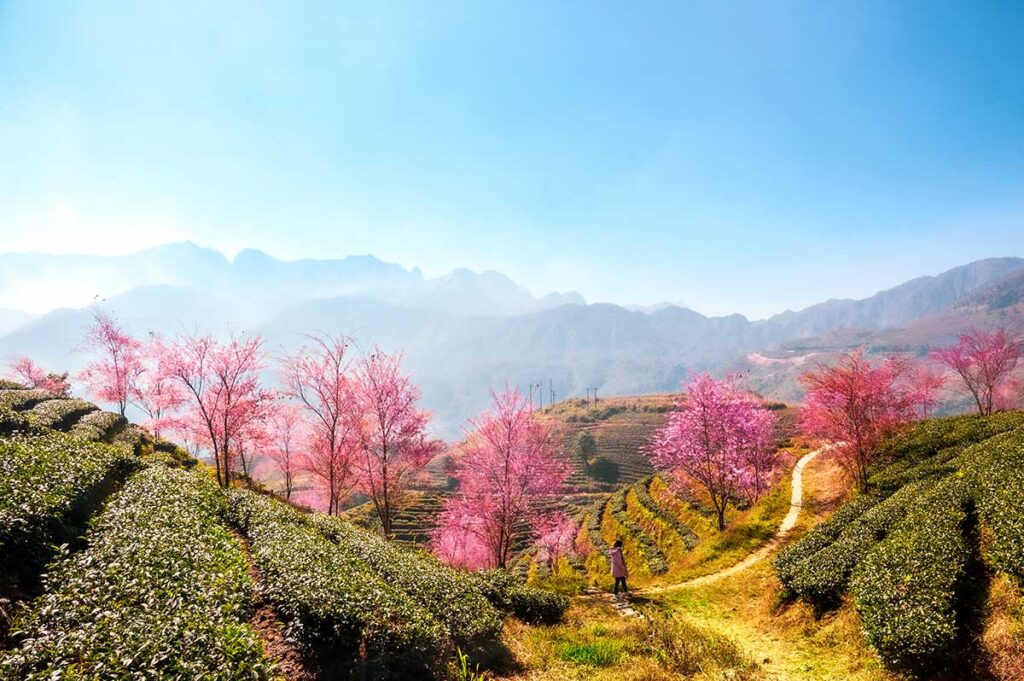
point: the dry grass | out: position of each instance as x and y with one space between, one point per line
1003 639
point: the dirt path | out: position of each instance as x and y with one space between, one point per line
795 504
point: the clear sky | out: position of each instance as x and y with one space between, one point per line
741 157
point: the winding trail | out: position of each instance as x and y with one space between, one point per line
795 504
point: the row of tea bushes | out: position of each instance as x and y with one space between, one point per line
508 593
642 490
822 577
59 414
19 399
997 483
330 599
98 426
467 615
906 587
48 485
161 591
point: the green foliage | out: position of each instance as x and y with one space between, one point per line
468 616
906 588
98 426
463 670
651 553
47 483
162 591
20 399
60 413
822 577
507 592
997 480
642 490
598 653
924 439
11 385
329 597
586 447
788 563
594 516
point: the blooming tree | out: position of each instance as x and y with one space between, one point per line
555 537
316 377
285 430
224 395
923 384
509 465
719 438
111 376
855 404
157 395
984 362
393 442
27 372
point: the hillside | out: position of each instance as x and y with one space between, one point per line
997 304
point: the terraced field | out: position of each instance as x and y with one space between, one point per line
120 557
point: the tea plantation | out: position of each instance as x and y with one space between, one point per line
121 557
941 515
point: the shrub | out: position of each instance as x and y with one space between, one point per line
903 473
47 484
131 437
906 588
787 563
821 578
21 399
330 598
98 426
652 554
59 414
642 490
468 616
6 384
995 471
162 591
594 517
507 592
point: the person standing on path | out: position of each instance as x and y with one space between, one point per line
619 571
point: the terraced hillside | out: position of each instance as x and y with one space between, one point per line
920 551
162 574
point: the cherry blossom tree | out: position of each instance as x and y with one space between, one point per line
392 439
316 376
111 376
25 371
855 404
224 395
285 429
555 536
984 361
923 384
719 438
158 396
508 467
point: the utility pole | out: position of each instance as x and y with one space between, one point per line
551 392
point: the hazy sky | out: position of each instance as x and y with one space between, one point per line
742 157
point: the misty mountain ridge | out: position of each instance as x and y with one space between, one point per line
466 332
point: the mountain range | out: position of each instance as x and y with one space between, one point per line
466 332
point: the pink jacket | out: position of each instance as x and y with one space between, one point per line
618 563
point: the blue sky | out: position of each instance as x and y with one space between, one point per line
741 157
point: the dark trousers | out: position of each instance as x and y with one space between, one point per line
622 581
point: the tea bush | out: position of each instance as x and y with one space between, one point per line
997 481
329 597
45 481
98 426
467 614
906 587
59 413
642 490
508 592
